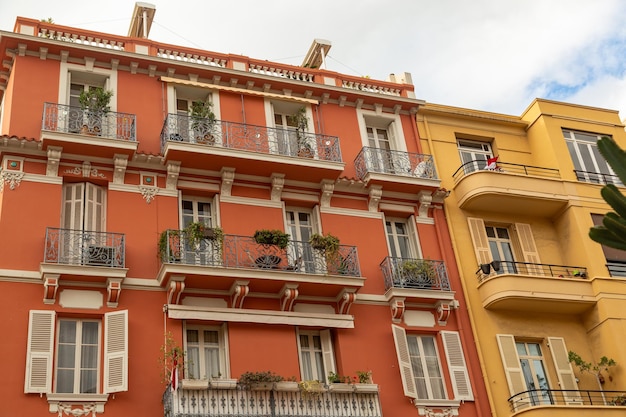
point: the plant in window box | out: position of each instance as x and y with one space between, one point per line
260 380
311 389
328 246
365 383
202 121
272 237
289 384
418 271
95 105
339 383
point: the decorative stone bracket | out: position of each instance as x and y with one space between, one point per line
177 286
238 293
345 300
288 296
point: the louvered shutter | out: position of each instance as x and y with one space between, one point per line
567 380
327 352
414 237
116 351
94 208
479 238
511 363
457 366
39 351
529 249
404 361
73 206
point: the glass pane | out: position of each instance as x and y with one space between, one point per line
211 336
521 348
66 356
65 380
193 362
212 360
89 356
534 349
306 366
317 342
503 233
304 341
490 231
192 336
90 333
88 381
319 363
67 331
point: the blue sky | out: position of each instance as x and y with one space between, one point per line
495 55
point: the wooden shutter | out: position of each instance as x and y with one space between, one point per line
73 206
415 248
567 380
116 351
457 366
404 361
327 352
39 351
529 249
94 208
511 363
479 239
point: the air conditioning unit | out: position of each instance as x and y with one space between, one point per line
101 256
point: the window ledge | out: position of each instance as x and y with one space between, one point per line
426 407
77 404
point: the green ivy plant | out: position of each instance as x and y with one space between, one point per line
272 237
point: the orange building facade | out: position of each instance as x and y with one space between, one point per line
151 237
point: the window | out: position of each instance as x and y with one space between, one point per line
300 225
206 352
615 258
426 367
494 242
399 240
77 343
474 154
294 128
589 164
525 369
420 365
84 206
317 359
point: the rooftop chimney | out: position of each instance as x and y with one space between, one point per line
141 22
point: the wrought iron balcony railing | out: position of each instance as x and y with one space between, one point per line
422 274
597 178
547 397
528 170
386 161
244 252
527 268
246 137
80 247
70 119
271 403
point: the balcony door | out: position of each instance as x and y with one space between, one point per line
83 222
300 227
474 154
378 141
203 252
398 238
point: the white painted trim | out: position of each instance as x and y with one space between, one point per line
127 188
340 321
251 201
352 212
64 81
395 132
42 179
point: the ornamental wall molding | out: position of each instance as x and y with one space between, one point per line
13 178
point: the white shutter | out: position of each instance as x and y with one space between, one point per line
39 351
480 240
529 249
567 380
94 208
316 219
215 208
416 249
457 366
327 352
116 351
511 363
73 206
404 361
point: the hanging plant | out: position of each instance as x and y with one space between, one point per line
272 237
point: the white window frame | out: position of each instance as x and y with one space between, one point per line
78 350
86 72
212 220
600 166
455 359
391 122
327 351
415 250
428 378
475 150
286 108
222 332
42 342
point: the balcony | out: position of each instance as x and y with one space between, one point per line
522 286
416 279
251 149
582 403
71 252
598 178
510 188
270 403
269 266
80 131
396 170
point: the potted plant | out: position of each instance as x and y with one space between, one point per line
202 121
258 381
289 384
301 123
418 271
593 368
328 246
95 104
272 237
339 383
311 389
365 383
171 360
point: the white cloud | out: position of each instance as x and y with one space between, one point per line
486 54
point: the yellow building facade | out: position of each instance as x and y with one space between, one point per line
523 193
